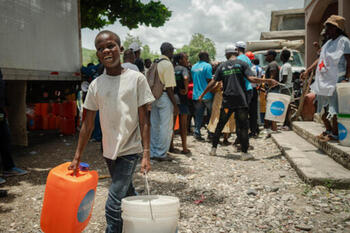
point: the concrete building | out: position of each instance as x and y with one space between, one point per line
316 13
287 25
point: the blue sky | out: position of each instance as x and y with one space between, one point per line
223 21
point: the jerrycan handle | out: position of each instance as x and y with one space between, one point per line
82 169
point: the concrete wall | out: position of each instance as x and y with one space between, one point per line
316 13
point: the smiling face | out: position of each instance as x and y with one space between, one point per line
108 51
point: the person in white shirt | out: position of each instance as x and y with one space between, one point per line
129 59
332 66
121 96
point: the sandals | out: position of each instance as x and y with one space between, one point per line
327 136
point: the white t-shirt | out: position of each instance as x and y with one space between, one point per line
258 72
118 98
128 65
286 69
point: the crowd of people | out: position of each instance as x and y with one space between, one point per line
135 103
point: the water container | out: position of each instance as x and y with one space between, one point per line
45 122
58 122
68 200
343 91
55 109
69 109
38 122
67 126
276 107
37 109
44 109
159 217
52 122
344 129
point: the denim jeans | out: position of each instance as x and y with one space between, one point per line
162 114
241 116
199 107
97 133
121 170
5 146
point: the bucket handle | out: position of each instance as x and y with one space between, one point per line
147 188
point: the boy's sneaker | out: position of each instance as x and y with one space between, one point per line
2 181
213 152
15 171
246 156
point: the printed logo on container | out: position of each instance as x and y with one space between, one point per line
342 131
277 108
86 206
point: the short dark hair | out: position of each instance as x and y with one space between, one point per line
166 47
117 38
128 54
177 57
285 54
203 56
256 61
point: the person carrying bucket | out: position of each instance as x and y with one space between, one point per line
233 73
332 67
121 95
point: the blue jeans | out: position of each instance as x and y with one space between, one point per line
161 126
121 170
199 114
97 133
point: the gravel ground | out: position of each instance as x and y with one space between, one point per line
217 194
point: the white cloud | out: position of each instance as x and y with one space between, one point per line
223 21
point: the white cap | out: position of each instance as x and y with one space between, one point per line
230 49
134 46
241 44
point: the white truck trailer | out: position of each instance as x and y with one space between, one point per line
39 43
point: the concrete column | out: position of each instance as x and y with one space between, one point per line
312 35
344 10
16 96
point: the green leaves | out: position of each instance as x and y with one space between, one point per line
197 44
96 14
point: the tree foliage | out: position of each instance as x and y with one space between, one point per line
96 14
197 44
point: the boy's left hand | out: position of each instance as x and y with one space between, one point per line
145 163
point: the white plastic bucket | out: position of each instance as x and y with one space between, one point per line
343 91
344 129
161 216
276 107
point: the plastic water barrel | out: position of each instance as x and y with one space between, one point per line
276 107
52 122
344 129
44 109
37 109
343 92
159 217
55 109
68 126
68 200
45 122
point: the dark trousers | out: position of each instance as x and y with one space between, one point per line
241 116
253 112
121 170
5 146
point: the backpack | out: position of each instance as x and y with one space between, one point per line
153 80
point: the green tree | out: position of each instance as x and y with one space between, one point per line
129 39
96 14
197 44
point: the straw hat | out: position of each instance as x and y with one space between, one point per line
337 21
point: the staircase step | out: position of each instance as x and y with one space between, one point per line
311 164
310 130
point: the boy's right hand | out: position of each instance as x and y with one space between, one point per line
74 165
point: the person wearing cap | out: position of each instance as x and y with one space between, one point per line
232 74
272 72
128 60
164 108
332 67
201 75
135 47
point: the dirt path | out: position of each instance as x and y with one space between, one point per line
264 195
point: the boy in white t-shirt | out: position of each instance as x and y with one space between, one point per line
121 96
